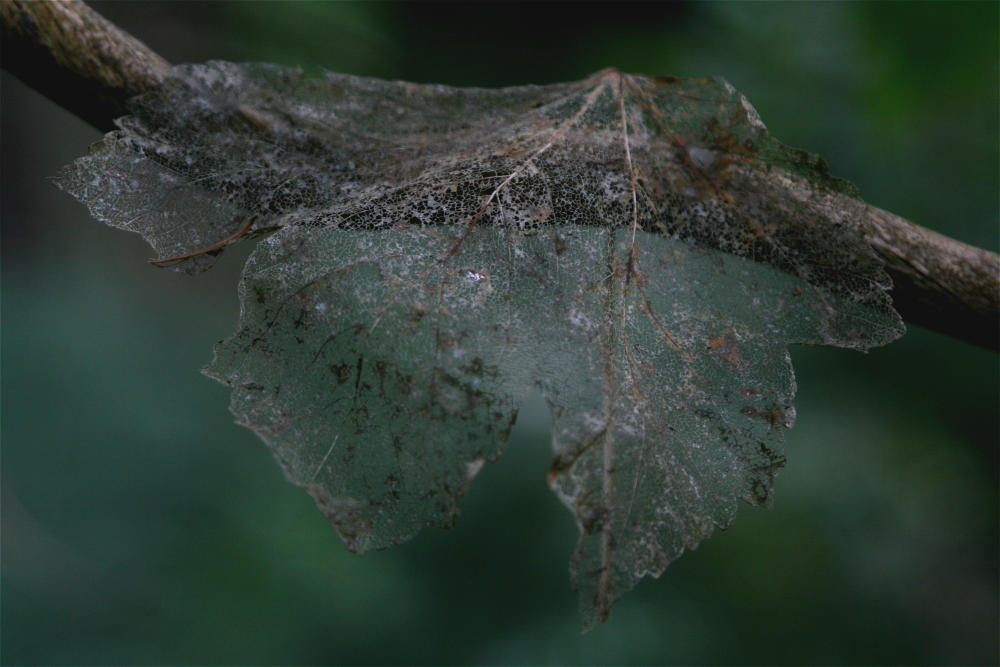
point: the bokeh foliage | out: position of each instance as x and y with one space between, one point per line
141 526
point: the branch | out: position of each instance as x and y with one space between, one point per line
77 58
89 66
938 283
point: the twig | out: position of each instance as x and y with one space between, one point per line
77 58
938 283
215 246
86 64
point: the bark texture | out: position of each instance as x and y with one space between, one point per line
77 58
86 64
938 283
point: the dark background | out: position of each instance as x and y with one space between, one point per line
141 526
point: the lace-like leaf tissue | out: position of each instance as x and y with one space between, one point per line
640 250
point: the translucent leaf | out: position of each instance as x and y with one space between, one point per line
640 250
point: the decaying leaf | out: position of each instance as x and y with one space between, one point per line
640 250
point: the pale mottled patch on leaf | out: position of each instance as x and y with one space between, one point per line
638 249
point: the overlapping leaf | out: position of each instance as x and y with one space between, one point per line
640 250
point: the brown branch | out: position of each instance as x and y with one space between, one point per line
89 66
215 246
938 282
76 57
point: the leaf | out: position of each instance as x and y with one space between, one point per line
640 250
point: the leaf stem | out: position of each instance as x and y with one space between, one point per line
215 246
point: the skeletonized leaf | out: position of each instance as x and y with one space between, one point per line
638 249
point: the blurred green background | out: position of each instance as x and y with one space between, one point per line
141 526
